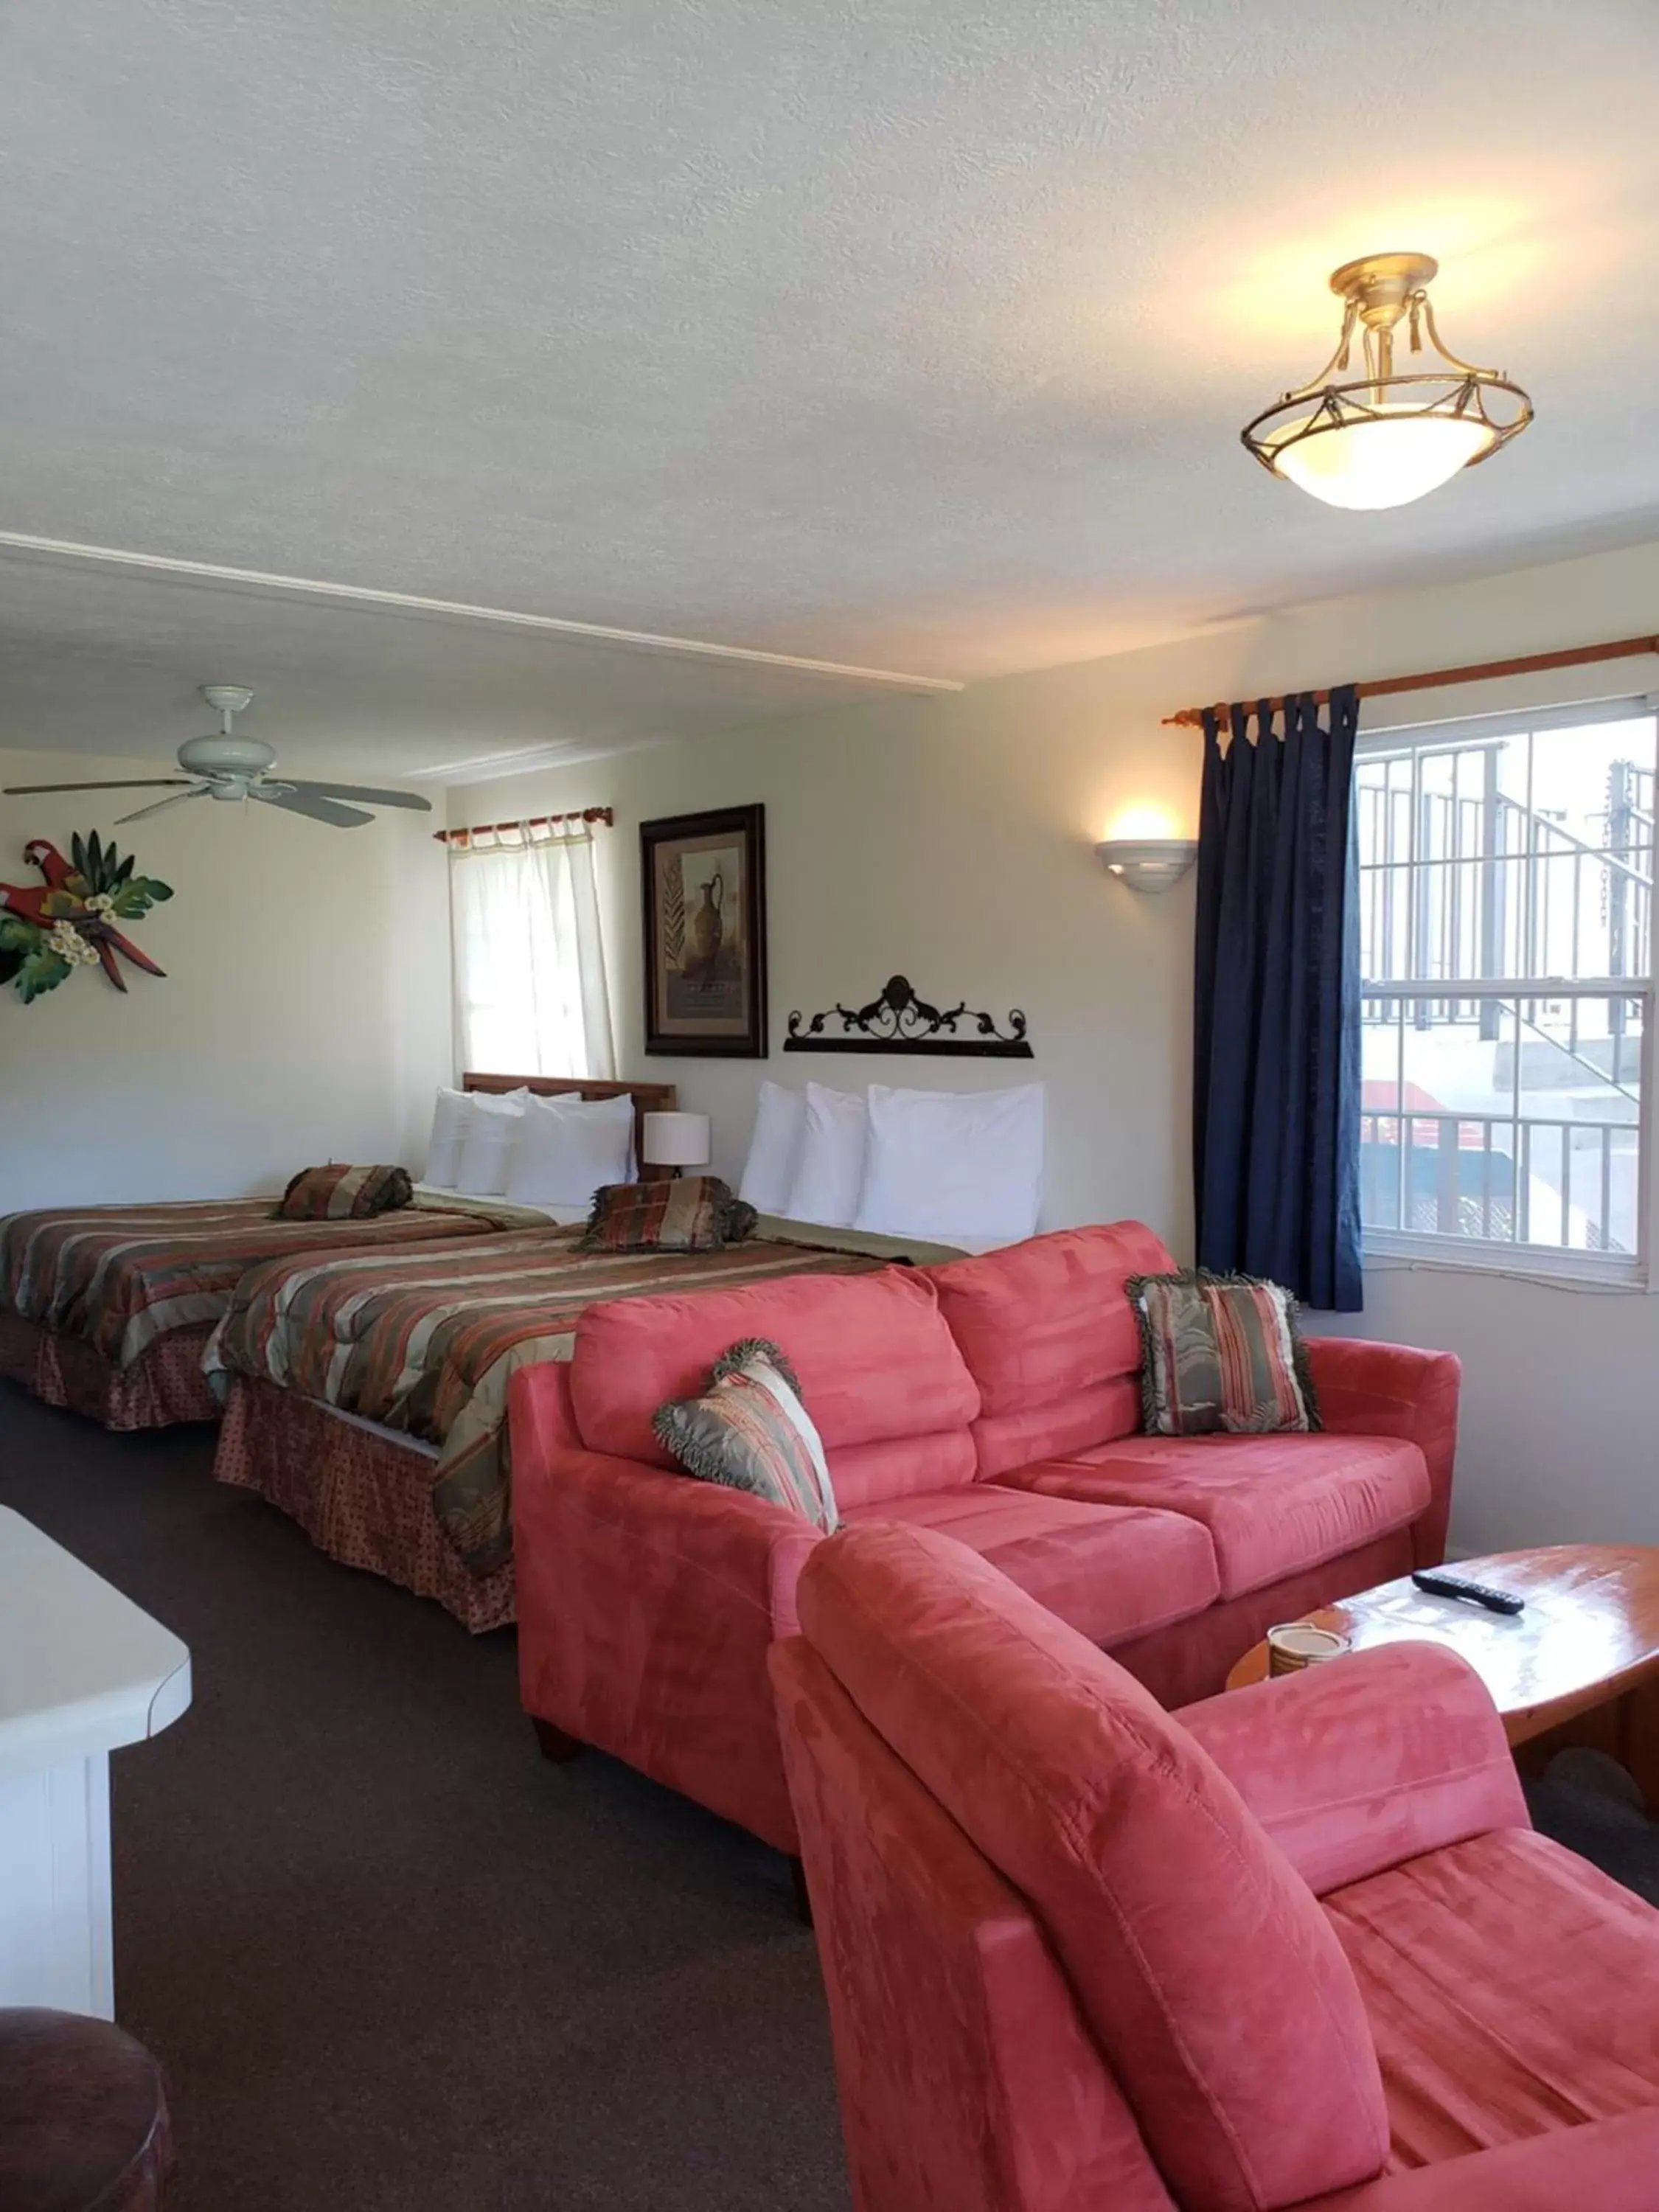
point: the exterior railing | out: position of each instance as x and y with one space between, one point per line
1446 1174
1471 883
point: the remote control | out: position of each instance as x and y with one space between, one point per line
1444 1585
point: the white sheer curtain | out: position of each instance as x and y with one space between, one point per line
531 995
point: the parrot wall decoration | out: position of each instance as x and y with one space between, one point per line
69 920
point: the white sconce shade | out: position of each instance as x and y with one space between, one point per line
676 1140
1148 864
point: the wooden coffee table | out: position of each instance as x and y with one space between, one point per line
1579 1666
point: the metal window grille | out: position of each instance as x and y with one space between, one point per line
1506 873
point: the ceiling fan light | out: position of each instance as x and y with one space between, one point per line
228 755
1386 459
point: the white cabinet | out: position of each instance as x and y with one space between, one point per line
83 1671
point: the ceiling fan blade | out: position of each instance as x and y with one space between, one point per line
160 805
127 783
365 791
304 802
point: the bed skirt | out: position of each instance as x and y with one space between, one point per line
359 1494
163 1385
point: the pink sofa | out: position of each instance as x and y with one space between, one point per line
1297 1946
994 1400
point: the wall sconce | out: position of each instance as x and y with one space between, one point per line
1148 864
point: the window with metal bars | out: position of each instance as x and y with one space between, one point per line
1506 871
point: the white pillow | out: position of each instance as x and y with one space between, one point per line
774 1150
957 1167
825 1186
568 1147
490 1131
449 1125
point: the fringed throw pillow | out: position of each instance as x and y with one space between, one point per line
750 1432
1220 1353
336 1192
688 1214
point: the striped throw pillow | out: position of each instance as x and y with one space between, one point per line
750 1432
337 1192
688 1214
1220 1353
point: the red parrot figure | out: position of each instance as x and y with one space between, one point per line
50 861
104 937
23 899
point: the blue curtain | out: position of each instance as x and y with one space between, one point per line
1276 1043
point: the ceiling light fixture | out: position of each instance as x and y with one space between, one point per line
1387 438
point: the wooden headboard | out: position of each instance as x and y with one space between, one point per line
648 1097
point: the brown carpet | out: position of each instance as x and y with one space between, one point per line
388 1956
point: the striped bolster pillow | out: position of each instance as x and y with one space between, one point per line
336 1192
691 1214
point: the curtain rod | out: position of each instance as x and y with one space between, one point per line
1624 648
601 814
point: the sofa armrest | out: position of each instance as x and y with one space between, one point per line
1395 1390
1609 2164
646 1601
1360 1763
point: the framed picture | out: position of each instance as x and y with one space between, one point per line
704 876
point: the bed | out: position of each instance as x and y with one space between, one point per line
108 1311
366 1396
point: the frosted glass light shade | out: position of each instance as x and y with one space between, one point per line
1148 864
676 1140
1385 458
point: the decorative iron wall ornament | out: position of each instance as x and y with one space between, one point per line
896 1020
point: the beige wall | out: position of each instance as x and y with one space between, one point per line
950 838
305 1013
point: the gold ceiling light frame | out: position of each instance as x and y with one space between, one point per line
1389 436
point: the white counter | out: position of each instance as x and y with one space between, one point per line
83 1671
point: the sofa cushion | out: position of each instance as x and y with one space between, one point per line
1151 1880
1274 1505
1220 1354
1512 1991
1110 1571
886 1387
1050 1338
750 1432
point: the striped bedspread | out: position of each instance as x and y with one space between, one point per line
120 1276
425 1343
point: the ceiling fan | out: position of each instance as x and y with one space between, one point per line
229 767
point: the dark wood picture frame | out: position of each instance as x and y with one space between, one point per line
705 981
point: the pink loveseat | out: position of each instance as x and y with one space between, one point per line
993 1400
1296 1946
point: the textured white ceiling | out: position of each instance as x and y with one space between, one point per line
911 332
110 663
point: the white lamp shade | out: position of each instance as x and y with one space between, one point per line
1148 864
676 1140
1390 457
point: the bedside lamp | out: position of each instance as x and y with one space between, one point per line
675 1140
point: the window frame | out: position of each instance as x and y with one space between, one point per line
1531 1261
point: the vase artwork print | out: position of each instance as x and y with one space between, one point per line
705 932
